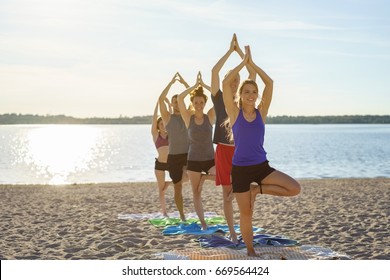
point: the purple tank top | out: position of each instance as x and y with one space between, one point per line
161 141
249 140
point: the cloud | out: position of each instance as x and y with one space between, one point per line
117 48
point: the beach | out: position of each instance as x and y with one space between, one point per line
45 222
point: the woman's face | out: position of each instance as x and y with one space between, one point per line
174 104
161 126
249 94
198 102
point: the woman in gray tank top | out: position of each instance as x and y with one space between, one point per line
178 142
201 150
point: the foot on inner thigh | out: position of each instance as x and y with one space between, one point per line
254 189
166 185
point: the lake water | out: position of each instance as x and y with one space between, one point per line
67 154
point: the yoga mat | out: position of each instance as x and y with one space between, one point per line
163 222
258 240
264 253
197 230
158 215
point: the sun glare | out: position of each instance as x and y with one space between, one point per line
57 151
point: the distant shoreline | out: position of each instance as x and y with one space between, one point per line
9 119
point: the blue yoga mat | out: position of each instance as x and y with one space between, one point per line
258 240
197 230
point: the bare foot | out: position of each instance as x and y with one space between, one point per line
201 182
254 189
184 178
251 252
230 195
233 238
166 185
204 226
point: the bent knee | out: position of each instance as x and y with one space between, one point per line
295 189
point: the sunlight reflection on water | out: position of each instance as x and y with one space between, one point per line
69 154
55 152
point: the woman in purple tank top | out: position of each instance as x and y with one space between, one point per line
225 149
250 163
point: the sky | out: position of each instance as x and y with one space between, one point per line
111 58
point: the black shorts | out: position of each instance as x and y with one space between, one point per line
243 176
199 166
163 166
176 163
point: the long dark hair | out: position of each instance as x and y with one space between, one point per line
159 119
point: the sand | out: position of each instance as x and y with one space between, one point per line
349 216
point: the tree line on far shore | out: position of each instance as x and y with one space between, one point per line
62 119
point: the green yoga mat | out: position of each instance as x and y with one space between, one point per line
162 222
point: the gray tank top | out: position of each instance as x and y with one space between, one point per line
201 142
178 135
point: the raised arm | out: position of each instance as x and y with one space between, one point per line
199 80
211 115
168 105
228 95
185 113
165 115
215 82
154 129
181 80
251 70
268 89
211 111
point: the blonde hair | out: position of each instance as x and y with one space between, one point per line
244 83
198 92
238 101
